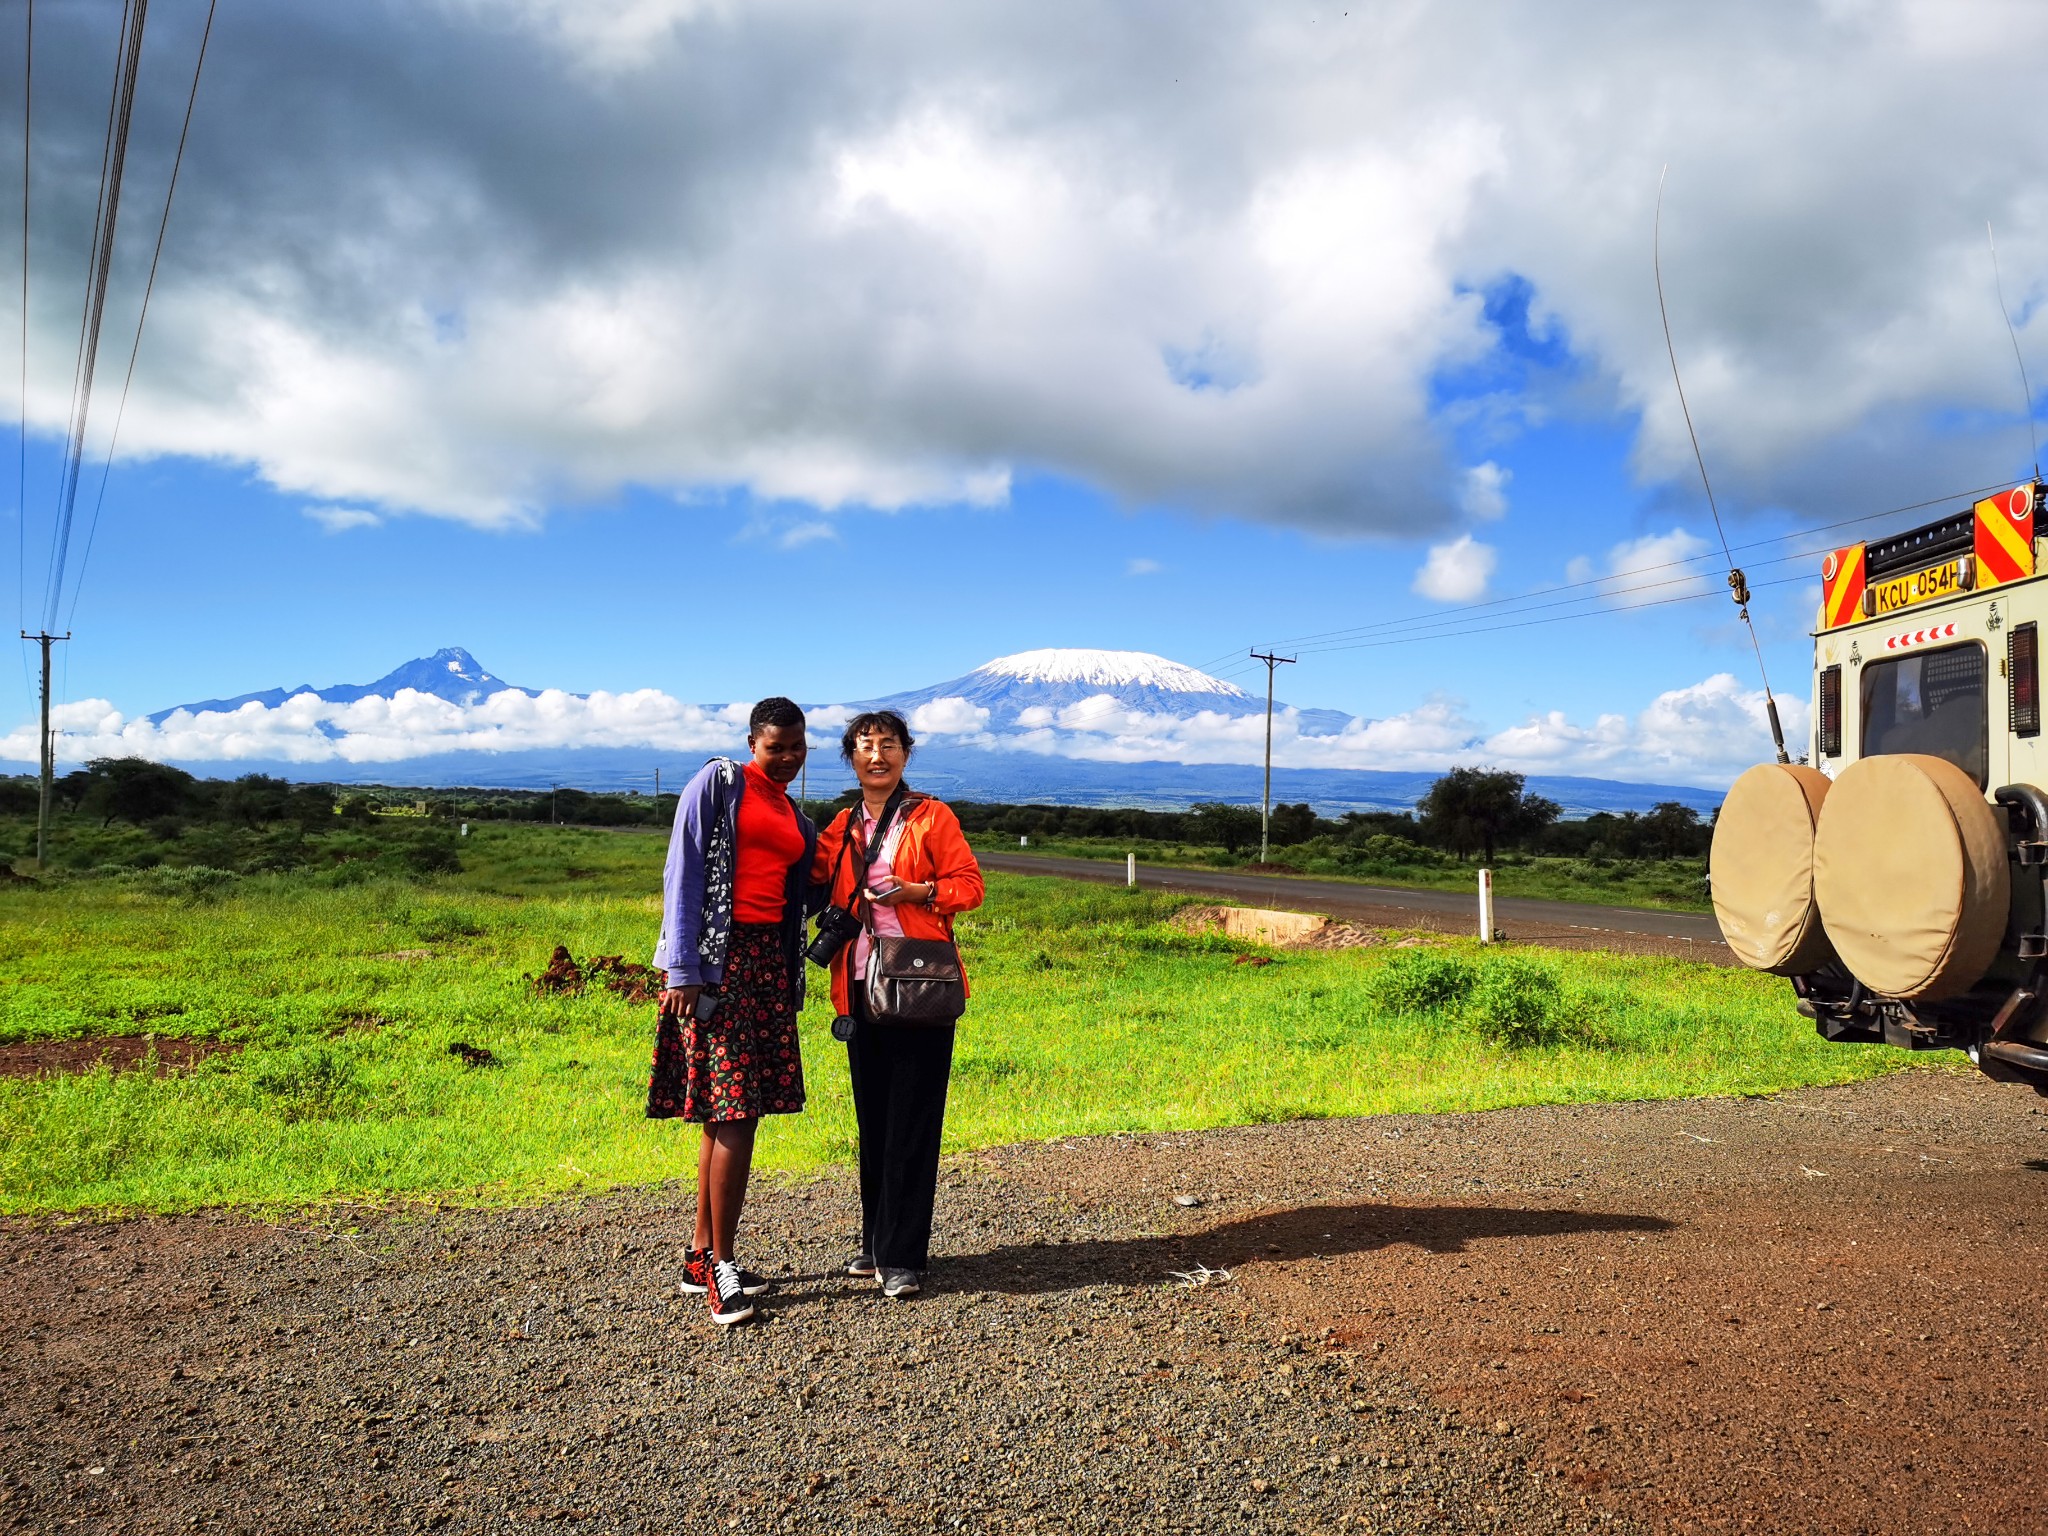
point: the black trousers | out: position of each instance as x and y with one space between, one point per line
900 1074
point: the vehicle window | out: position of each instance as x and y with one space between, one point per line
1931 703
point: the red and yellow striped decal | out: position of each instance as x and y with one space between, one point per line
1841 587
2005 536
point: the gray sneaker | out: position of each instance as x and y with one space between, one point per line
898 1283
861 1265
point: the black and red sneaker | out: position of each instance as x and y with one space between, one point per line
696 1272
697 1275
727 1297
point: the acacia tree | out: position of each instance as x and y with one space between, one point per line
1479 808
1232 826
137 790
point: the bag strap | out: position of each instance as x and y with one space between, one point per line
864 858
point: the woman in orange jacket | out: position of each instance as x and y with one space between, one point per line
921 874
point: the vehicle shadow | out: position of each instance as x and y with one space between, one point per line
1313 1231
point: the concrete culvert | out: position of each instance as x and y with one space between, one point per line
1909 868
1762 864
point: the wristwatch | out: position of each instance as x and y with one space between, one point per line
931 893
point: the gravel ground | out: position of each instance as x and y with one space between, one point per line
473 1371
1811 1312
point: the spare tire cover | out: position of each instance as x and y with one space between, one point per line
1762 865
1909 867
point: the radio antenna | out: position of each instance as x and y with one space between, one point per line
2005 314
1738 584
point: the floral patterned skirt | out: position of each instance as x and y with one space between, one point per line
746 1060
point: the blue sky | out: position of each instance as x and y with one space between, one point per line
791 351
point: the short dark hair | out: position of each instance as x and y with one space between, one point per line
777 711
868 722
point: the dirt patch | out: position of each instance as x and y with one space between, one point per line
565 978
1723 1315
1340 935
1331 933
120 1053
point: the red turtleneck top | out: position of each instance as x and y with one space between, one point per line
769 842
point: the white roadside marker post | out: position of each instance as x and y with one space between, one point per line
1130 869
1486 906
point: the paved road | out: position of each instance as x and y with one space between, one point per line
1569 924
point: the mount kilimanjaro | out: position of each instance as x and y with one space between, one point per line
1062 725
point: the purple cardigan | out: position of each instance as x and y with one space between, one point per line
696 882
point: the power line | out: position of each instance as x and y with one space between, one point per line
1645 570
113 162
28 80
163 224
1560 618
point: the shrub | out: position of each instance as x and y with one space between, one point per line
1423 981
1517 1005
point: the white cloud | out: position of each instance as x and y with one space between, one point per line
950 716
1142 567
1457 572
1650 568
845 255
797 536
1702 734
342 519
308 730
1484 492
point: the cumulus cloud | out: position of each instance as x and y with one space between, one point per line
1646 569
1457 572
950 716
480 257
308 730
1702 734
1484 491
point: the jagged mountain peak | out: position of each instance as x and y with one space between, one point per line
451 673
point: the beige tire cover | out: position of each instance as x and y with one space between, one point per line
1762 864
1910 872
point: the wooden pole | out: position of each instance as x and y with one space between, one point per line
1266 796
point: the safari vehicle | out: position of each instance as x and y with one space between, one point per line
1896 876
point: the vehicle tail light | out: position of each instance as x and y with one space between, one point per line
1831 712
2023 674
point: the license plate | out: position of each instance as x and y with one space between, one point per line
1898 592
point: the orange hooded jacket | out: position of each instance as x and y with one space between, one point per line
931 848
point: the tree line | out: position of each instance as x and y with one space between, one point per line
1467 812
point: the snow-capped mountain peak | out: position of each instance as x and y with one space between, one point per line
451 673
1108 670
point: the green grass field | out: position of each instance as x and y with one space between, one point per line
1091 1013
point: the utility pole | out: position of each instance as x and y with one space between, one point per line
1266 800
49 752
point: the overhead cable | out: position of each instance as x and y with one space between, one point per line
113 161
163 224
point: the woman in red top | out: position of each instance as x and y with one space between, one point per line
726 1050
